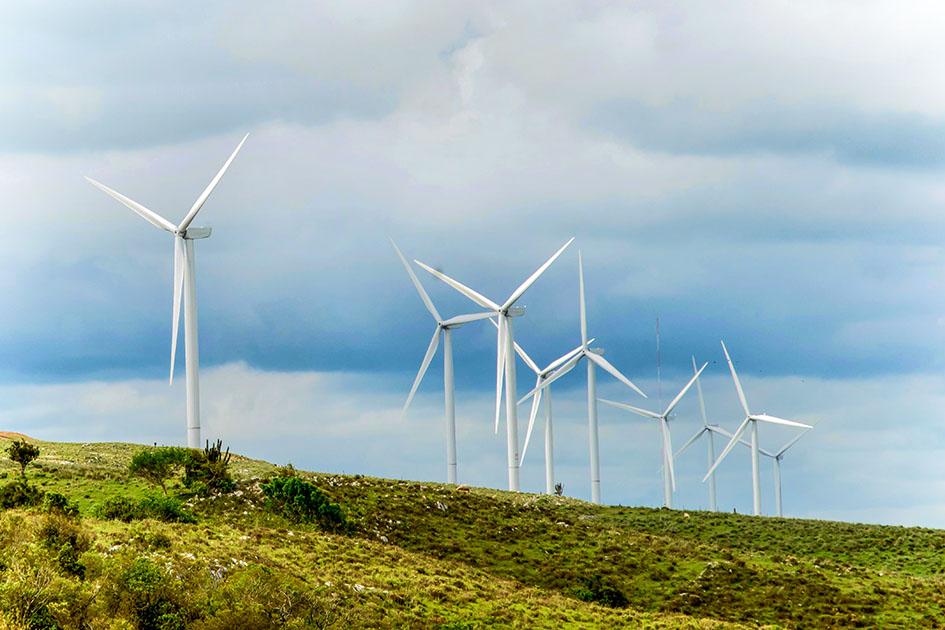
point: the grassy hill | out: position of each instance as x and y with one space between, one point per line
432 555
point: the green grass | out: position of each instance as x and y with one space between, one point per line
433 555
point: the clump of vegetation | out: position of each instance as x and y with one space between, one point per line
302 502
601 591
55 503
161 508
23 453
145 592
207 471
65 537
158 465
19 494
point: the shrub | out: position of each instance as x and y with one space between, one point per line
65 536
301 501
118 509
19 494
145 591
207 471
161 508
55 503
157 465
601 591
23 453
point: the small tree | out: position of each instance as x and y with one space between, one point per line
23 453
559 489
157 465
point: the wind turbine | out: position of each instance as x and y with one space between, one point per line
776 459
505 358
751 420
669 474
444 327
185 282
541 375
593 356
709 430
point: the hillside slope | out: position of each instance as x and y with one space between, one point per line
432 555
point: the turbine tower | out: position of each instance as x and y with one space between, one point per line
669 474
444 327
594 358
541 375
751 420
505 357
185 282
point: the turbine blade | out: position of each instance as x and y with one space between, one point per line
179 262
481 300
416 283
683 391
532 278
465 319
536 399
148 215
499 369
567 367
668 451
690 441
791 442
705 419
605 364
583 304
728 447
521 352
630 408
738 385
775 420
564 358
431 350
202 199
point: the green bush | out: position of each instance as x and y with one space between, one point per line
301 501
19 494
145 592
207 471
55 503
602 591
22 452
157 465
158 507
118 509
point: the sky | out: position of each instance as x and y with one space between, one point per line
767 174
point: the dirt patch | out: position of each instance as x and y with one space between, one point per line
13 435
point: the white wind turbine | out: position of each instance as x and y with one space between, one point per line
444 327
709 430
669 474
505 358
184 282
593 356
751 420
541 375
776 458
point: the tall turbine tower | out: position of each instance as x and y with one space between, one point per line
751 420
594 358
669 474
185 282
505 355
444 327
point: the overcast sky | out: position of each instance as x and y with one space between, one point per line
770 174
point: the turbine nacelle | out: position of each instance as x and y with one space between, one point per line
196 233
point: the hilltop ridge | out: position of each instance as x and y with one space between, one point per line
424 554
